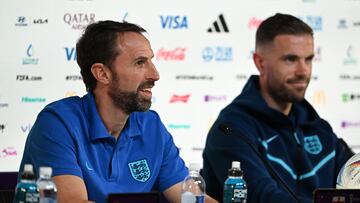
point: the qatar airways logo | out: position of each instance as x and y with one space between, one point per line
78 21
350 124
8 152
177 54
180 98
254 23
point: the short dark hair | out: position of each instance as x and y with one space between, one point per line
280 24
98 45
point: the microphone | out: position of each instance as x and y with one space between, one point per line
228 131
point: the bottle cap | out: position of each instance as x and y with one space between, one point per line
28 168
235 164
28 173
194 167
235 169
45 171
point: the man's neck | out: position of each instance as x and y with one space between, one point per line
113 118
283 107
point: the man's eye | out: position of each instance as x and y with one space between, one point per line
290 59
309 60
140 62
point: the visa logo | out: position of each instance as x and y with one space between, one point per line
26 128
174 22
70 53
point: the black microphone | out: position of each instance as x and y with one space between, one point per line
228 131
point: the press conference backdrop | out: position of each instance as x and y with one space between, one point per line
202 50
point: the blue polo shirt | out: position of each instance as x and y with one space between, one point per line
70 137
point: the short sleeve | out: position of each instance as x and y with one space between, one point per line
173 169
50 143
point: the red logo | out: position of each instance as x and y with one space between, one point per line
177 54
179 98
8 151
254 23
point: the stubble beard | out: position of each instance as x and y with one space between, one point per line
285 94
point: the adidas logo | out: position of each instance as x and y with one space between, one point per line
219 25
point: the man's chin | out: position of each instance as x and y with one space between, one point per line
144 106
298 98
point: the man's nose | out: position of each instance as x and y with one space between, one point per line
153 74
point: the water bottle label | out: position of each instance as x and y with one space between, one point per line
47 200
200 199
32 197
240 195
189 197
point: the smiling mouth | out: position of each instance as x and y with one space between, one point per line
147 92
145 88
300 84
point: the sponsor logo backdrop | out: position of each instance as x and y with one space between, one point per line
202 51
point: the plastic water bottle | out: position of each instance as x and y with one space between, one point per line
193 187
235 189
46 186
26 190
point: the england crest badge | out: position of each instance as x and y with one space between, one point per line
140 170
312 144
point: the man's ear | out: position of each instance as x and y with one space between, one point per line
101 73
259 62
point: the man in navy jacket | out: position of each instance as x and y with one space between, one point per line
286 150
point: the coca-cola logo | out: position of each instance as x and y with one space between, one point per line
254 23
177 54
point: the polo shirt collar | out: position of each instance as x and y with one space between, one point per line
97 129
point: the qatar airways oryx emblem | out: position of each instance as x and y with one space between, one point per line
140 170
312 144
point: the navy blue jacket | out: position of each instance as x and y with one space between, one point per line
301 148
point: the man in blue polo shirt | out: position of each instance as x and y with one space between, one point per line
108 141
